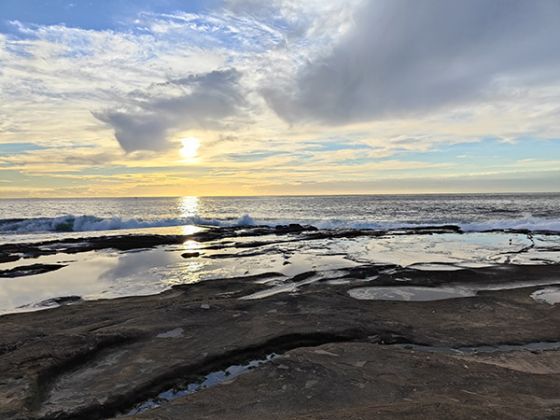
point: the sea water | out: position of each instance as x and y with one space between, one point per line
472 212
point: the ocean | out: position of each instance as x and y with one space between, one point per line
471 212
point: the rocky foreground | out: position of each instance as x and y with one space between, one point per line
328 355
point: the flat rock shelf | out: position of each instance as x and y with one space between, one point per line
305 345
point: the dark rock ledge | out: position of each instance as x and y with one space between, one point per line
97 359
294 232
30 270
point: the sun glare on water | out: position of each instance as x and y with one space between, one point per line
189 148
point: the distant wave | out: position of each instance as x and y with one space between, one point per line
71 223
526 223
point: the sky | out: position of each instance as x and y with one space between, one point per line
245 97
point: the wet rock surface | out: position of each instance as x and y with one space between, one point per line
339 357
291 233
99 358
368 381
29 270
190 254
14 251
4 257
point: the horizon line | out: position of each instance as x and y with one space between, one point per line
283 195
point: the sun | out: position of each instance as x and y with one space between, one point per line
189 148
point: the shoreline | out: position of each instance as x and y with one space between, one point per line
71 264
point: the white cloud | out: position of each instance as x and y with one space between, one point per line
404 58
193 102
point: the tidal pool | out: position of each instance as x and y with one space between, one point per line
409 293
550 295
209 381
109 273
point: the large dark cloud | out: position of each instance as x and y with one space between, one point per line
406 56
198 101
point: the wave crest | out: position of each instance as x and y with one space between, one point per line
71 223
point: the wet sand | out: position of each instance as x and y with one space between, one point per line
316 351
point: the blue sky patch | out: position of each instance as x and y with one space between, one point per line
16 148
97 15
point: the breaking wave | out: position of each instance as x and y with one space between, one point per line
71 223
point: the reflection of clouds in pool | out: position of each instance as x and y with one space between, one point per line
409 293
190 245
137 264
110 274
550 295
435 267
466 250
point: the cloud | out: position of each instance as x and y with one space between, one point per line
403 57
198 101
420 81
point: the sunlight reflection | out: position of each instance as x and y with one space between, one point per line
188 206
189 229
190 270
188 209
191 245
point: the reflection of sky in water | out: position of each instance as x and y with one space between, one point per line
550 295
42 237
444 248
409 293
109 274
